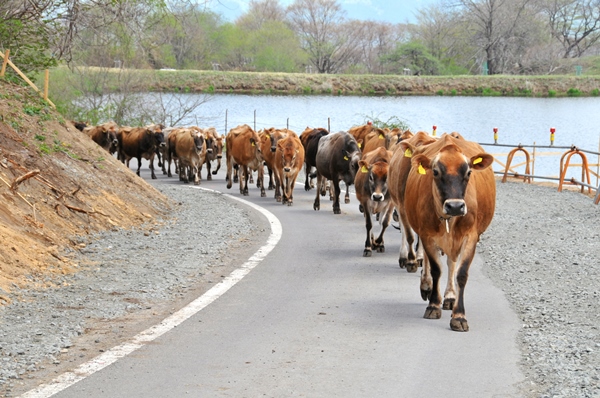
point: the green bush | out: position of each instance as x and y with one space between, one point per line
551 93
573 92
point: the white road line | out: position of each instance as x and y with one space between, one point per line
111 356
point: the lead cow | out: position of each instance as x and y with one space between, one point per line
243 149
450 200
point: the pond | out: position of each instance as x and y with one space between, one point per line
519 120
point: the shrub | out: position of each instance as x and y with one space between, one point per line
573 92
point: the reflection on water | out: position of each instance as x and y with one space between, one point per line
519 120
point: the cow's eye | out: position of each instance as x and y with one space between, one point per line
469 173
436 172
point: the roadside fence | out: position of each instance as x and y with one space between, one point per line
6 61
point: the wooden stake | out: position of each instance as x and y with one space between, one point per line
46 83
3 70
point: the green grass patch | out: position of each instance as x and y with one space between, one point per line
573 92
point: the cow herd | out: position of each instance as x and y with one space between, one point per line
442 190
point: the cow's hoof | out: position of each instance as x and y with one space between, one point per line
263 194
214 172
367 253
425 294
290 203
432 313
246 194
196 182
361 208
346 200
402 262
278 199
153 177
306 187
235 179
316 206
459 324
208 177
380 249
337 211
412 267
448 303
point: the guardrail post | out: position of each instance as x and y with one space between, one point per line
585 171
509 159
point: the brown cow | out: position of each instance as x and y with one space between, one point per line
243 149
289 158
214 145
399 168
268 145
190 150
375 139
104 135
450 201
140 142
372 193
310 141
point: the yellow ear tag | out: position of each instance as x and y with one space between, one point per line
478 160
345 157
381 136
408 153
364 169
360 145
268 135
422 169
253 144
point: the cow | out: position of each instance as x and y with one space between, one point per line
268 145
289 158
140 142
400 165
310 141
104 135
360 133
190 150
397 136
372 193
375 139
450 200
243 149
337 159
80 125
214 151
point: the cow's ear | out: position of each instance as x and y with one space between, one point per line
481 161
364 166
421 163
407 148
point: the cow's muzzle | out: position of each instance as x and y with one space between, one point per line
209 150
455 207
377 197
273 149
219 156
162 144
287 169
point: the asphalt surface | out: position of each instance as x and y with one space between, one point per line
316 319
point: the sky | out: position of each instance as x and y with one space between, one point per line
392 11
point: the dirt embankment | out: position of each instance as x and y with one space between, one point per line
57 187
284 83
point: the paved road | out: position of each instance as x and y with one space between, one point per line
316 319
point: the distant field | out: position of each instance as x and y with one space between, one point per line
323 84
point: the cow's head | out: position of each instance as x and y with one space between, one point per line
289 153
450 170
352 155
376 179
199 140
218 147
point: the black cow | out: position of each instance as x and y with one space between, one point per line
310 141
337 159
140 142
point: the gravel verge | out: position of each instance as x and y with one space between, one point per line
542 249
129 279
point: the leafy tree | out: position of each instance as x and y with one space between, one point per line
275 48
414 56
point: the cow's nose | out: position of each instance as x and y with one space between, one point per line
377 197
209 150
162 144
455 207
219 156
273 149
287 169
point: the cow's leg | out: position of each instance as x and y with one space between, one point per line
196 172
434 309
426 282
307 186
336 199
243 179
369 226
218 166
208 173
278 182
139 159
317 203
459 321
384 220
292 185
407 258
450 293
236 171
228 173
261 177
347 197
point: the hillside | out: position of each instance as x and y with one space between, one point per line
58 187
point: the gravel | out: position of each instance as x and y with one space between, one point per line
542 250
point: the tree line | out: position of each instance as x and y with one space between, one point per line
449 37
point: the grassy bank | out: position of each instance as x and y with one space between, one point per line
319 84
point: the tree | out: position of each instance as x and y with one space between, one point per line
319 24
494 25
414 56
575 24
259 13
275 48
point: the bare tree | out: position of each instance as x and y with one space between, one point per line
323 35
494 24
575 24
259 12
373 41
